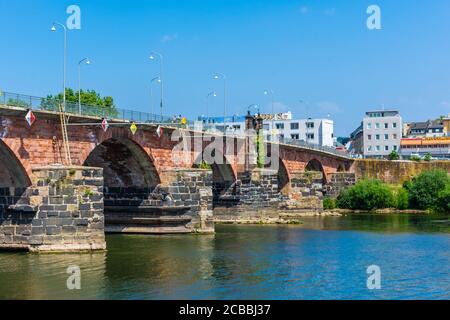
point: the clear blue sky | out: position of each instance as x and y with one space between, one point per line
317 51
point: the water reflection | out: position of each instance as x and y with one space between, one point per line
320 259
32 276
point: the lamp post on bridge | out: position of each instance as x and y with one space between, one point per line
272 95
158 79
153 56
63 109
218 76
53 29
88 62
211 94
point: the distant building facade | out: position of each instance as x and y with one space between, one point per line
427 138
283 126
435 147
380 133
428 129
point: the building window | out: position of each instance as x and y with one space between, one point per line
280 126
377 125
386 125
369 137
369 126
281 136
395 148
386 148
295 126
310 136
377 137
394 125
386 137
369 148
394 136
378 148
295 136
310 125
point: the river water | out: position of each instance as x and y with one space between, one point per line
323 258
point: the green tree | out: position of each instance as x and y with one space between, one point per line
261 159
329 204
17 103
394 155
443 201
424 189
401 199
92 103
366 195
427 157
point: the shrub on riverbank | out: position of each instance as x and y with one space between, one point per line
424 189
443 201
367 195
329 204
401 199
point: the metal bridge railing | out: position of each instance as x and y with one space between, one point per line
51 104
45 104
312 146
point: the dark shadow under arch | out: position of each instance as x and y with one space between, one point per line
12 172
125 164
316 166
284 183
224 179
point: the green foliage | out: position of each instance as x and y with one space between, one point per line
17 103
424 189
366 195
205 165
443 201
329 204
401 199
415 158
92 103
261 160
394 155
427 157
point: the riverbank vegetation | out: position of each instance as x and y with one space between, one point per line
428 191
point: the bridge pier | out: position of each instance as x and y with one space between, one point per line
182 203
259 197
62 210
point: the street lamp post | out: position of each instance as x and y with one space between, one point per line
63 109
218 76
211 94
88 62
65 59
253 106
161 61
151 92
272 94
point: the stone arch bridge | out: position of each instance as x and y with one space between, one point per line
138 182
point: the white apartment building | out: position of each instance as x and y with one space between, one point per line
283 126
382 133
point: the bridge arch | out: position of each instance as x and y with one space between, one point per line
125 164
316 166
12 172
284 180
223 175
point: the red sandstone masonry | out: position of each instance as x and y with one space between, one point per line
41 145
